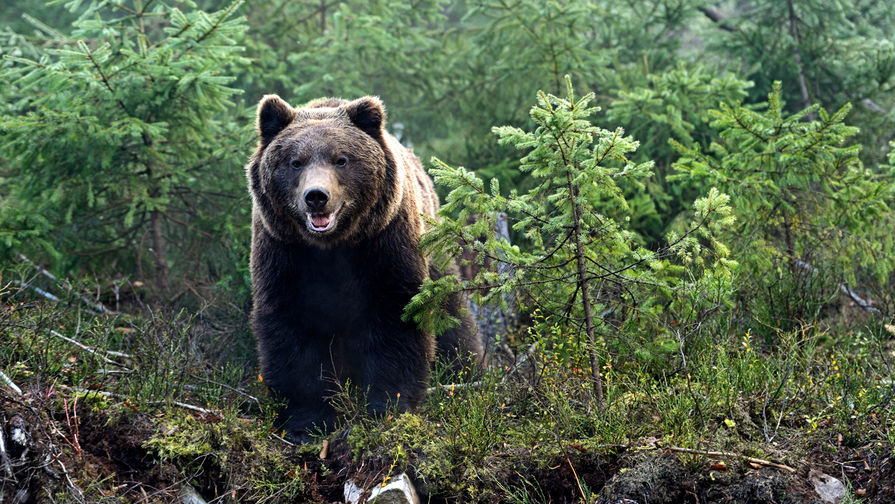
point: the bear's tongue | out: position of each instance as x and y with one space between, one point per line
320 221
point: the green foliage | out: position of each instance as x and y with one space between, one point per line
584 272
656 108
827 53
117 141
121 144
809 214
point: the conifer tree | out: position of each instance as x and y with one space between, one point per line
117 152
810 214
584 274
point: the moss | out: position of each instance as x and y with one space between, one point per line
181 437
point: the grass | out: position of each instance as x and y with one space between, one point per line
147 403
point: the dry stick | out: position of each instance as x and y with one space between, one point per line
864 304
577 481
9 383
716 18
451 386
38 290
523 360
65 472
92 350
873 106
151 403
228 387
280 438
94 306
728 455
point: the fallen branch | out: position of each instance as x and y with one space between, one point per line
873 106
228 387
720 454
70 482
183 405
113 395
38 290
282 439
99 308
9 383
797 56
864 304
654 445
93 350
511 371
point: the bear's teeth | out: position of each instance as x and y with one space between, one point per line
320 222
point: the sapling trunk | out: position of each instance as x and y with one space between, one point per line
584 286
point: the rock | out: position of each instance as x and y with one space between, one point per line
399 491
830 489
189 495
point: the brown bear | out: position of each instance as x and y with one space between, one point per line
336 223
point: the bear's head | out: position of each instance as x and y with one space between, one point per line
323 173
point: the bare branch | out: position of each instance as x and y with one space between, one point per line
9 383
716 18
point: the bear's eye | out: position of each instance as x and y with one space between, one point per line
296 164
341 161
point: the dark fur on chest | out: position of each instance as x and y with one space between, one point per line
327 316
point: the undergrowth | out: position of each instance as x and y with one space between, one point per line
95 385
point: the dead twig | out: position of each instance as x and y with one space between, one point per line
577 480
282 439
96 307
38 290
72 429
70 482
93 350
228 387
720 454
113 395
452 386
9 383
862 303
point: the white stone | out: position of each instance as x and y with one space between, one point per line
398 491
830 489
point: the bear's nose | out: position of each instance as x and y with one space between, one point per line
316 199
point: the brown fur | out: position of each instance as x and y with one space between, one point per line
336 222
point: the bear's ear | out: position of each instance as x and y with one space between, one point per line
368 114
274 114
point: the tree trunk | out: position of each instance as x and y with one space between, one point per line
158 252
584 286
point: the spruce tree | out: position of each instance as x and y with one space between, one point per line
581 271
120 154
811 217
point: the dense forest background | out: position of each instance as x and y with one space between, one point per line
700 203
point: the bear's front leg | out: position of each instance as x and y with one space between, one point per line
395 366
299 370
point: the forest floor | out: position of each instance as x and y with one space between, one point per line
112 459
115 408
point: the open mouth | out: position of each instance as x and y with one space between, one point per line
321 222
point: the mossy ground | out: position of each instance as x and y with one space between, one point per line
153 406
